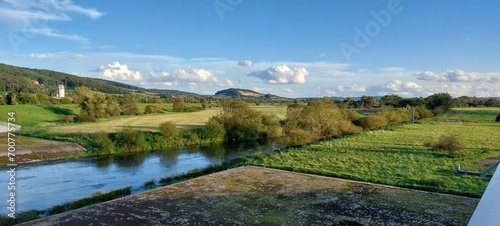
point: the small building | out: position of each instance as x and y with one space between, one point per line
61 92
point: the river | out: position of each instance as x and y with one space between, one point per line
41 185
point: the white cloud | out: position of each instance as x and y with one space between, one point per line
189 77
49 32
457 76
76 56
287 91
398 87
282 75
32 17
117 71
48 9
357 88
42 56
245 63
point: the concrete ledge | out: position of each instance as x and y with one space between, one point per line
254 195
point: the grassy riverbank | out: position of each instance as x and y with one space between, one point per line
397 156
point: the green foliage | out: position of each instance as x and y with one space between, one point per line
2 100
104 143
68 118
149 184
439 103
422 112
498 118
12 99
321 119
112 107
149 109
169 129
213 130
372 121
21 217
129 106
97 197
179 105
130 140
244 123
449 143
353 115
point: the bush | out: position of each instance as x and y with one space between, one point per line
498 118
68 118
422 112
131 140
105 145
85 118
449 143
169 129
372 121
353 115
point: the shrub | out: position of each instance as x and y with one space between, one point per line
297 136
131 140
68 118
449 143
353 115
85 118
213 130
105 145
423 112
149 183
372 121
498 118
169 129
149 109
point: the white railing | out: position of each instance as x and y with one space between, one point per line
488 210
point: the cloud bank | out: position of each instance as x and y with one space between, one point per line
281 75
117 71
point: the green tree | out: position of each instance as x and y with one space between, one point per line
498 118
439 100
179 105
149 109
80 93
105 145
113 107
169 129
213 130
369 102
129 105
321 119
130 140
204 103
12 99
391 100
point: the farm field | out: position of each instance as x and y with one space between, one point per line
396 155
34 116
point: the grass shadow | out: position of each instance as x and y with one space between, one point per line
58 110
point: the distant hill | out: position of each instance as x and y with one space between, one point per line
13 78
246 94
18 79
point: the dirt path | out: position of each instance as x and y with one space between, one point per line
254 195
488 162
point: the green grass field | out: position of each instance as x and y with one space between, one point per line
36 116
397 156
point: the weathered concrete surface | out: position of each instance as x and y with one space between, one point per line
253 195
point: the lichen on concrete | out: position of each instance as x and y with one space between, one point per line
254 195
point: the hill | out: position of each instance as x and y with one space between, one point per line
19 79
246 94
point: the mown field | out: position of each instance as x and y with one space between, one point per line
397 156
34 116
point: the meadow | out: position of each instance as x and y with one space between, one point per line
48 117
396 155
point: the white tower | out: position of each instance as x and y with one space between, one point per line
60 92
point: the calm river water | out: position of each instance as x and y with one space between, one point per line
45 184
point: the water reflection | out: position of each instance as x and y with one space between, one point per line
44 184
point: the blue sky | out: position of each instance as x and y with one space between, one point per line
290 48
